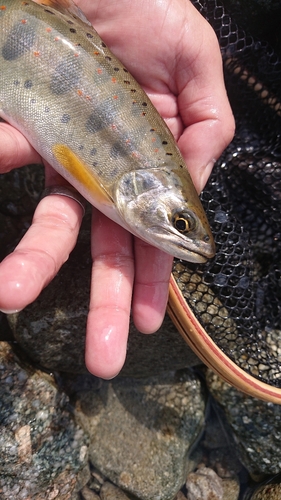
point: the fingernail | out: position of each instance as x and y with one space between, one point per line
10 311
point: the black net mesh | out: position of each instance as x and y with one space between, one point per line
237 295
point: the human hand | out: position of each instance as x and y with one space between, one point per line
174 55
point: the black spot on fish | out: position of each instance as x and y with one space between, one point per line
19 40
65 76
89 35
49 11
164 142
16 82
93 152
117 150
116 69
108 58
169 154
103 44
65 118
126 71
144 103
72 30
28 84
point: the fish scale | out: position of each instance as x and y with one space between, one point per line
85 114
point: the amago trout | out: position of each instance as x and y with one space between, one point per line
86 115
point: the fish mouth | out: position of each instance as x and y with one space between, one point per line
182 249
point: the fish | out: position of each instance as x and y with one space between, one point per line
85 114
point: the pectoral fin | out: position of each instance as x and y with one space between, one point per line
81 172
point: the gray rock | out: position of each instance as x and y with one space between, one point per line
141 430
255 424
43 453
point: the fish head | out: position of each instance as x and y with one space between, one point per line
161 206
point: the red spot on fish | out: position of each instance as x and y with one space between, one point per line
3 7
36 53
57 39
96 53
23 21
79 92
156 150
113 80
115 97
113 127
88 97
48 30
143 114
76 54
153 139
99 71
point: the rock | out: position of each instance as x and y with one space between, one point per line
43 453
204 484
111 492
231 489
141 430
255 424
88 494
180 496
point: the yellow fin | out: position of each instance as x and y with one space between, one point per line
80 171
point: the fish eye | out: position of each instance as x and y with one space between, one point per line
183 222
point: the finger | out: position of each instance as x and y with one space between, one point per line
111 295
15 150
203 103
153 270
40 253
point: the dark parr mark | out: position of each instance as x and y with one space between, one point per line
100 119
19 40
65 76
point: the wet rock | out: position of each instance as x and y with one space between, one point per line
43 452
255 424
204 484
141 430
